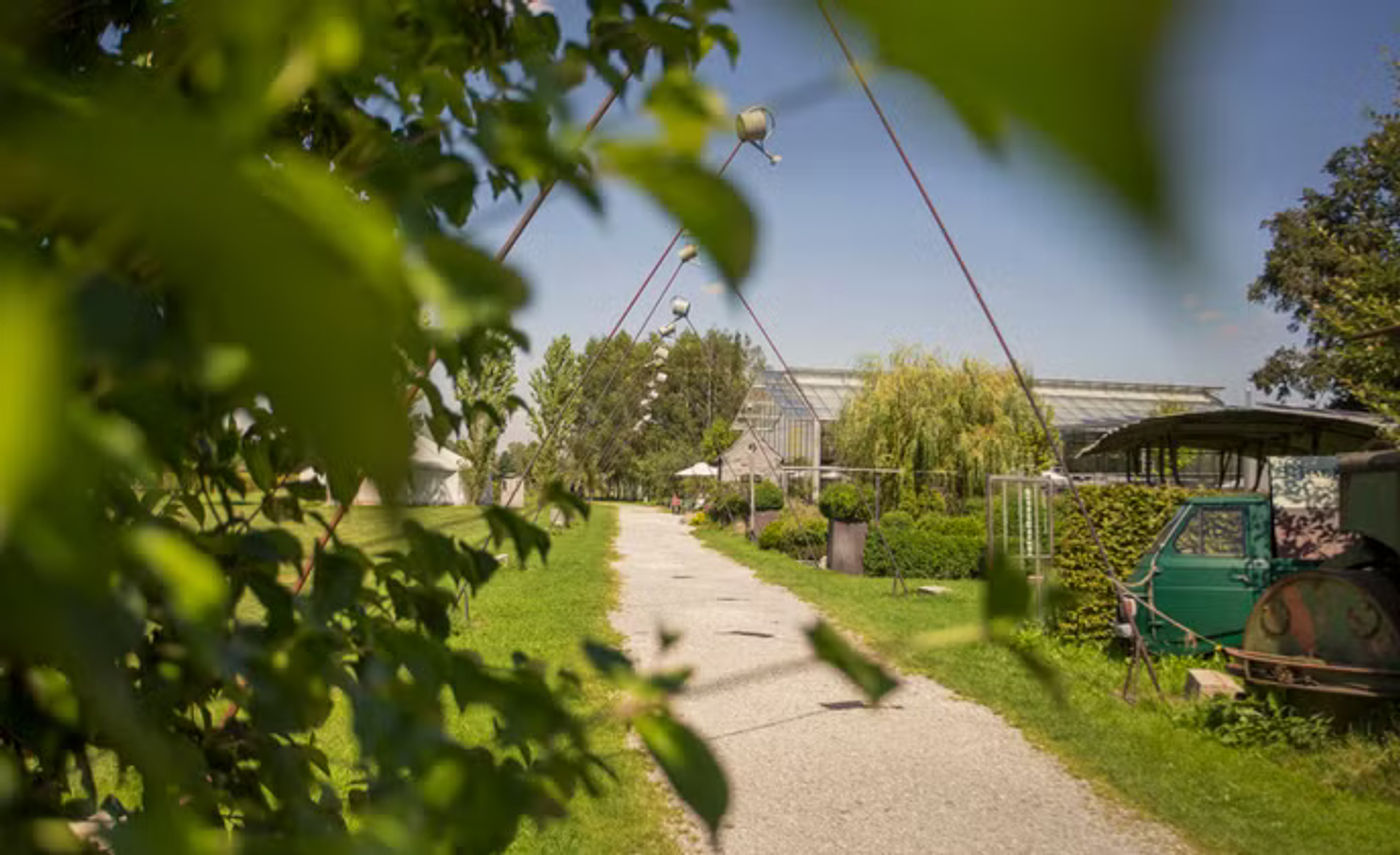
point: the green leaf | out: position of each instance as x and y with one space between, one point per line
289 265
1076 72
1008 592
706 205
30 380
555 494
831 648
609 661
197 588
508 525
688 764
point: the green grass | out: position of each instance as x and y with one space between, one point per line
1335 799
544 611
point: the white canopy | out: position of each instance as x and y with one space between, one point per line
699 470
427 455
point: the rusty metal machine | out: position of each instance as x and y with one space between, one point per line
1336 629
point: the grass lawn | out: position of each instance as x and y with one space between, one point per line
544 611
1338 798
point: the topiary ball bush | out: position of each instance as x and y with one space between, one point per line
767 496
847 503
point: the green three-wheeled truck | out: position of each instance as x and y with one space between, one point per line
1300 587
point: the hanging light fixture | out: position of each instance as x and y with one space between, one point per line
753 126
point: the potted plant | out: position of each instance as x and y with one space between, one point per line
767 504
847 509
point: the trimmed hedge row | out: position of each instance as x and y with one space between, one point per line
1128 517
931 547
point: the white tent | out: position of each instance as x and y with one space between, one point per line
699 470
434 477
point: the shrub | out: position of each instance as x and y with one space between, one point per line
767 496
846 503
728 505
932 547
1128 517
799 534
1258 720
959 526
924 502
699 518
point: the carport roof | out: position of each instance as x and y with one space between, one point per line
1260 430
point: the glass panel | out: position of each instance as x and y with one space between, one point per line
1217 532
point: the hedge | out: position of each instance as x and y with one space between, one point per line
802 536
1128 517
846 503
932 547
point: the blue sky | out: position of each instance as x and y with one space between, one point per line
1255 94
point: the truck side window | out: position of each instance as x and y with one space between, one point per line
1217 532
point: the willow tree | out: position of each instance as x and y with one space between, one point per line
921 415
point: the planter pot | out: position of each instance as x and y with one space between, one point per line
761 519
845 547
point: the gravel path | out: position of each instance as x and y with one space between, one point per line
811 770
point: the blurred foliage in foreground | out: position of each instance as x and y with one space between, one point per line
223 225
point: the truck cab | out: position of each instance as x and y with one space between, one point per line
1206 569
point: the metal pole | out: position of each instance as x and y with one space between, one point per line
752 533
877 497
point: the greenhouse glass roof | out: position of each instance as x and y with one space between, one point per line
1074 404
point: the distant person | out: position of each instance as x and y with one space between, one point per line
675 503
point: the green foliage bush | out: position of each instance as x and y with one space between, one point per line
1258 721
799 532
767 496
728 504
931 547
847 503
1128 517
954 526
923 502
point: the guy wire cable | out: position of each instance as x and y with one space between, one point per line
1107 571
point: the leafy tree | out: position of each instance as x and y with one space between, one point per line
1334 268
918 413
511 462
487 397
718 439
704 375
552 385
